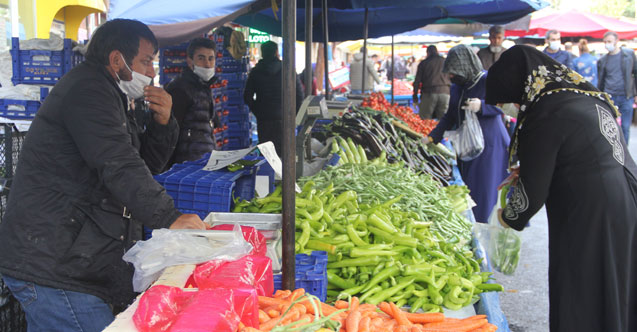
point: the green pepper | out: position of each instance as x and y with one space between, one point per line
396 238
351 232
318 245
305 235
434 295
352 291
381 224
334 279
386 293
490 287
390 271
359 252
370 292
359 261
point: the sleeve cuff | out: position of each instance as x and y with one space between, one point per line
160 129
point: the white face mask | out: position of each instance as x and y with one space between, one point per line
555 45
134 88
610 47
204 73
495 49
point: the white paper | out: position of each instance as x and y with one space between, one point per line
262 185
221 159
269 152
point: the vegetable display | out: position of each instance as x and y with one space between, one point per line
294 311
378 102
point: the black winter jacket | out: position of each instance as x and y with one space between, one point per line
265 81
82 161
628 66
193 108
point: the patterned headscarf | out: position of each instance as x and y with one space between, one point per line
462 61
523 75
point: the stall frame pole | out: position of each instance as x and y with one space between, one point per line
325 50
393 68
308 48
365 25
288 98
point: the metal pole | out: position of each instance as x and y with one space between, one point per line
288 98
364 49
308 48
392 69
325 53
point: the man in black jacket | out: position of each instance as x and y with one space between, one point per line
83 186
193 106
433 85
265 81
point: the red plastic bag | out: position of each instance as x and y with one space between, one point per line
250 234
251 271
208 310
246 305
159 307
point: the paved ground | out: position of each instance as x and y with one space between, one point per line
525 299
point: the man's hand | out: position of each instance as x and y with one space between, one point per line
160 102
473 105
416 99
188 221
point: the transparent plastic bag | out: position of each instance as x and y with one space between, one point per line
176 247
467 140
503 245
250 234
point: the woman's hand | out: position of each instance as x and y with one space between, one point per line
504 224
512 179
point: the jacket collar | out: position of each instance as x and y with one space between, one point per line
190 76
111 80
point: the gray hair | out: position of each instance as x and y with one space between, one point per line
551 32
611 33
496 30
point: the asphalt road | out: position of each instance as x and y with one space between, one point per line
525 300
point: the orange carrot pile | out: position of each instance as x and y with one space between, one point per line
355 317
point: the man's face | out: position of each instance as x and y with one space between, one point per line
203 57
142 62
553 37
610 40
497 39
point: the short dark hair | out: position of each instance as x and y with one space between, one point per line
611 33
269 50
198 43
119 34
432 49
496 30
551 32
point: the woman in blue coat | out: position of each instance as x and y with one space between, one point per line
484 173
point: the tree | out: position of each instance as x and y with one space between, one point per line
613 8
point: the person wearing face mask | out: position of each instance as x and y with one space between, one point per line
193 106
484 173
491 54
617 75
554 42
84 186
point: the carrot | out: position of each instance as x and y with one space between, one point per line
475 317
353 321
263 317
486 328
376 323
422 318
388 325
402 328
459 326
340 304
327 309
265 301
273 311
301 308
399 315
295 294
367 306
281 294
291 316
363 326
269 325
355 303
416 328
308 319
241 326
250 329
385 307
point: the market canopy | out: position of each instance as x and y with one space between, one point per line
345 18
575 23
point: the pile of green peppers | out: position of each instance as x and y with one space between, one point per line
380 252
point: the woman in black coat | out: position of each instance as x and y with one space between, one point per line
573 159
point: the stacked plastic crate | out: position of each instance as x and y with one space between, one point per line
36 67
310 274
172 61
235 132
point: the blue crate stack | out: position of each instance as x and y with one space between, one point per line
310 274
36 67
172 60
236 131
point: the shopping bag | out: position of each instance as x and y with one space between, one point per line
467 140
248 271
503 245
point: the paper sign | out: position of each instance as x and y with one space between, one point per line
221 159
269 152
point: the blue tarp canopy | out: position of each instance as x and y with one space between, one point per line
346 17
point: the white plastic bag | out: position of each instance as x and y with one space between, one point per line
503 245
467 140
175 247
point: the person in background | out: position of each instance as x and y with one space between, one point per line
617 72
412 66
84 186
491 54
484 173
572 160
356 74
433 86
263 95
399 70
193 107
586 64
568 47
314 85
376 62
554 42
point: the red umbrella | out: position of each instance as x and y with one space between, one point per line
575 23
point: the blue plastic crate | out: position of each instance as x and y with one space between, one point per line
235 80
19 109
40 66
218 92
310 274
229 60
225 119
235 96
